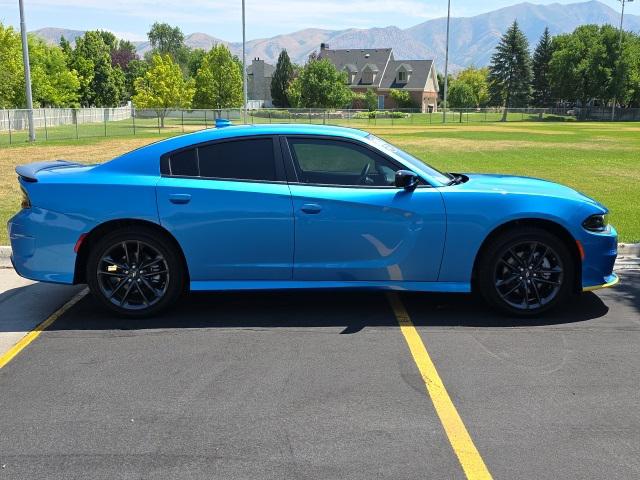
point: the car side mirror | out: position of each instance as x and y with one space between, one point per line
406 179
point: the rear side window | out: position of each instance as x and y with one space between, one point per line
184 163
251 159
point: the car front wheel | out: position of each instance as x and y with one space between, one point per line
526 272
135 272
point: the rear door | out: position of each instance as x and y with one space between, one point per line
229 206
352 223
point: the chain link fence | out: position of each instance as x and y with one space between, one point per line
70 124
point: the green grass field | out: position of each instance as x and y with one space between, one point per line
599 159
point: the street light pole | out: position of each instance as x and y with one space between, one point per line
613 105
27 72
446 66
244 69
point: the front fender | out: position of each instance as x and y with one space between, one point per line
471 217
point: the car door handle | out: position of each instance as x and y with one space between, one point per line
179 198
311 208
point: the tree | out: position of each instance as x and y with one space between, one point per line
541 84
194 61
123 53
294 93
91 59
477 79
510 71
168 40
281 79
11 83
323 86
66 47
580 66
53 84
163 87
371 100
632 51
402 98
135 69
461 95
219 80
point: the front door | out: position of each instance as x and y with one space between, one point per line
353 224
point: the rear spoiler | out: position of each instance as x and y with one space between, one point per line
29 171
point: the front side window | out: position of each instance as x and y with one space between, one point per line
333 162
419 165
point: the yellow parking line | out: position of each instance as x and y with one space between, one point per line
465 450
33 334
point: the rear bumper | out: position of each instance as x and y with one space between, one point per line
42 244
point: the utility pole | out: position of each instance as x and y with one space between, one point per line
613 104
27 72
446 66
244 69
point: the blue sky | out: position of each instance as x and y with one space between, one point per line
265 18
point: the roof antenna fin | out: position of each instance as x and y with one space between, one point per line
223 122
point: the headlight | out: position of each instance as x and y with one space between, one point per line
595 223
25 202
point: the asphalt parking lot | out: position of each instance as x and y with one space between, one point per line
323 385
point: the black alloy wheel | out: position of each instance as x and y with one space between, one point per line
135 272
525 271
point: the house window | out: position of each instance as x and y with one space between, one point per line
402 76
380 102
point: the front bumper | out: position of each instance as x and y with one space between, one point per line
600 252
612 280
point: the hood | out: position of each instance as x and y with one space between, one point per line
510 184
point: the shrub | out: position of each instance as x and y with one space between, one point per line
380 114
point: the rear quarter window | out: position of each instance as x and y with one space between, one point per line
184 163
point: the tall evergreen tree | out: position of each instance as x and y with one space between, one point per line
541 75
510 71
282 78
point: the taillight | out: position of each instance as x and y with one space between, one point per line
25 203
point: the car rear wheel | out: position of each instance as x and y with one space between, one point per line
526 272
135 272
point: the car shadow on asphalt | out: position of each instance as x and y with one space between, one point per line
350 310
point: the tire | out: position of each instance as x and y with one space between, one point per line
124 286
525 272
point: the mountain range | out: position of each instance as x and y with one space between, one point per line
472 39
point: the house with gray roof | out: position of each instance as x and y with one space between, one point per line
376 68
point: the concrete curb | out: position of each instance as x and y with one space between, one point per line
629 249
628 256
5 254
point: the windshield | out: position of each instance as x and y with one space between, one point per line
438 176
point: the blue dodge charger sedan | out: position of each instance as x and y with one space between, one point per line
303 206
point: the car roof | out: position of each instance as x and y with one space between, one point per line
145 159
260 129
